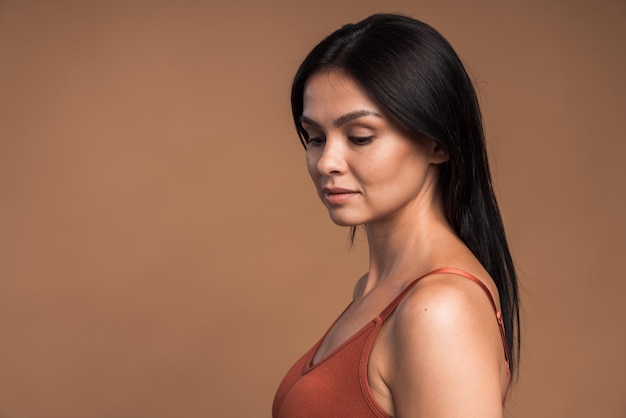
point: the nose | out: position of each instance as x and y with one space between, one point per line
332 159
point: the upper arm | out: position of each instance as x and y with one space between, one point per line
445 352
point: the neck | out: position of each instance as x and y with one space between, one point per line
406 245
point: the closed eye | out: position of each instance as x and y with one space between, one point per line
315 141
361 140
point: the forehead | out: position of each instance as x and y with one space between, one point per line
333 93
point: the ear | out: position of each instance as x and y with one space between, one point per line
437 153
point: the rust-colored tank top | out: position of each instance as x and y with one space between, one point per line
337 385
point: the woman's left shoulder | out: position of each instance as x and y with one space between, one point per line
447 311
444 339
447 298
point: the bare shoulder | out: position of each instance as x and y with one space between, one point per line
359 287
445 351
443 300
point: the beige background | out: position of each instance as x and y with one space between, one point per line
162 252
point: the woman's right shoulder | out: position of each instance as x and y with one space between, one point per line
359 287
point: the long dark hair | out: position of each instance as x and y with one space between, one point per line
413 73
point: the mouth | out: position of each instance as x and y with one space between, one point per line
337 196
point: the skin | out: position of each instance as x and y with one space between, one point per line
440 354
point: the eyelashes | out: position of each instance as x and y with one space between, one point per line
361 140
314 141
356 140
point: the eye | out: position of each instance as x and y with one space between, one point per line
361 140
315 141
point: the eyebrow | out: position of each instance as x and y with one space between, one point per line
342 120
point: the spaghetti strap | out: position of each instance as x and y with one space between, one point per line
449 270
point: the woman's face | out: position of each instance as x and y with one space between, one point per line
365 167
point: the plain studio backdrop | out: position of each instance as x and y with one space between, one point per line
162 250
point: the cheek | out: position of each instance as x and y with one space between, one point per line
311 165
383 166
395 171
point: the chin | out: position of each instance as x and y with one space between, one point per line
344 220
342 223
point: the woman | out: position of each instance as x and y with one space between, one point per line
394 142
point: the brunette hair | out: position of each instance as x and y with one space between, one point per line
413 73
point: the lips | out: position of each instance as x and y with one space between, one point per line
337 195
